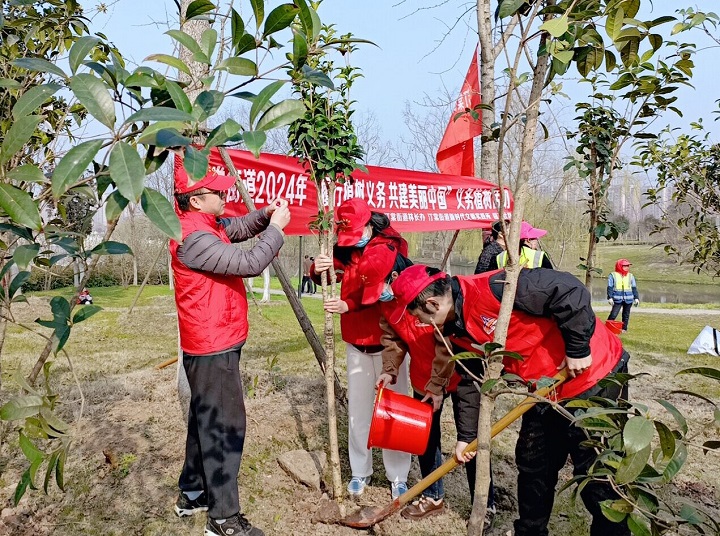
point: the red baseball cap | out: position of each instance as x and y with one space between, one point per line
374 267
211 181
411 282
528 232
351 218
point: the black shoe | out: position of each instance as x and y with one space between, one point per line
185 507
236 525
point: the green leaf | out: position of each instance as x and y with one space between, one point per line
632 465
21 487
237 27
679 418
73 165
316 77
254 141
17 282
696 395
678 460
149 135
111 248
708 372
27 173
114 205
208 40
300 50
20 132
306 19
262 101
615 510
238 66
222 133
60 470
19 205
160 113
280 18
556 27
172 61
79 51
638 525
637 434
9 83
258 7
85 312
20 407
178 96
207 104
710 445
281 114
162 213
195 163
509 7
93 95
198 8
52 462
33 98
189 43
40 65
24 255
169 137
614 23
31 452
127 171
667 441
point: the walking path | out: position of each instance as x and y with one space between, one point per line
596 307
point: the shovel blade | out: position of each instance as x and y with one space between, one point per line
369 515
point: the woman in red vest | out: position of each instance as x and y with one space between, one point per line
552 326
358 228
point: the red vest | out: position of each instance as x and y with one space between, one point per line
361 324
212 308
536 338
420 340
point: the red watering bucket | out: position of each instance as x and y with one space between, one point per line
614 326
400 422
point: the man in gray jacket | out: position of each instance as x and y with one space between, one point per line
212 317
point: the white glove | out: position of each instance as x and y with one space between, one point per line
636 302
610 301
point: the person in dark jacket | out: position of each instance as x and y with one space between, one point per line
212 317
493 246
531 256
552 326
359 228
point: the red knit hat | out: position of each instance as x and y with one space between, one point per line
351 218
409 284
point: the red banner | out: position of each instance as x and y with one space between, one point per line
456 154
414 201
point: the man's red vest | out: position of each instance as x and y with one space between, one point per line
212 308
536 338
420 340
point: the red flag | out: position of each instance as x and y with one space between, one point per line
456 155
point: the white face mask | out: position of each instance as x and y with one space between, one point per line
366 236
386 295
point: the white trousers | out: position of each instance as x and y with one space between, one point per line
363 371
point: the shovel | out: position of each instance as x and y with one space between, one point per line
370 515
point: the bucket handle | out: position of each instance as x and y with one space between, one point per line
382 415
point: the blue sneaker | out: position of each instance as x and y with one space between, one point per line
357 484
397 489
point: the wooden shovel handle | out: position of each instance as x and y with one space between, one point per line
499 426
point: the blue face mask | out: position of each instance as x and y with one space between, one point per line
363 242
386 295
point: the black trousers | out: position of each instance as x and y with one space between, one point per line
545 441
216 430
626 308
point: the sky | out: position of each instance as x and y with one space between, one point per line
423 47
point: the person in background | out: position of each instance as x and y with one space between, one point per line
306 281
84 298
493 246
622 292
357 229
408 337
531 256
213 322
552 326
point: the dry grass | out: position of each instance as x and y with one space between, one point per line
128 449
